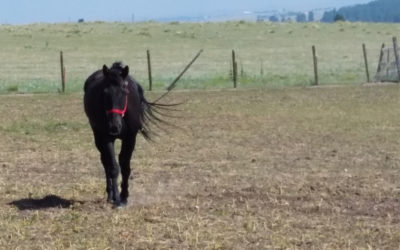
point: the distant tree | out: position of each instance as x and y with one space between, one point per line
273 19
375 11
328 16
301 18
81 20
311 16
339 18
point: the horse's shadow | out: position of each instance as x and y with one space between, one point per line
49 201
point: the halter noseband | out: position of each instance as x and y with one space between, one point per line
120 111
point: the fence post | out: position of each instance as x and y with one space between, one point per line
315 60
387 63
380 58
149 69
396 54
234 69
366 61
62 72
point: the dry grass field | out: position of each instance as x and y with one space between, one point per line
298 168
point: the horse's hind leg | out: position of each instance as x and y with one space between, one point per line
127 147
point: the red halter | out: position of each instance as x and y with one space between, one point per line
120 111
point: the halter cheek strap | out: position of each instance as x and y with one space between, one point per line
120 111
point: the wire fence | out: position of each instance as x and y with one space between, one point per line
258 67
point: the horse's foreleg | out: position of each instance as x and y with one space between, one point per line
114 172
127 147
106 148
109 190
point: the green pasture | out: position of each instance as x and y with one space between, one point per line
268 54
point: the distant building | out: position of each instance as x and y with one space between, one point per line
285 16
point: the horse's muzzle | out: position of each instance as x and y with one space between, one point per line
114 131
114 124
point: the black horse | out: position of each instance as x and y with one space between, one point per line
117 109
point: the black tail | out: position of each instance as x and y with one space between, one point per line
153 110
153 115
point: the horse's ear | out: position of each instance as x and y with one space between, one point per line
125 71
105 70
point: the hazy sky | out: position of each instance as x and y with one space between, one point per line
28 11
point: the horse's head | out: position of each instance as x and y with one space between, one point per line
115 96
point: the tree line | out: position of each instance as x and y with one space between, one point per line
375 11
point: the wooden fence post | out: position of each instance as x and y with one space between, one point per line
387 63
380 58
396 54
62 72
315 60
149 69
366 61
234 69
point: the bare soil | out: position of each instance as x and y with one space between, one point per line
302 168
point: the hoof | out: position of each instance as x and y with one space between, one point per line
110 198
119 205
124 202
